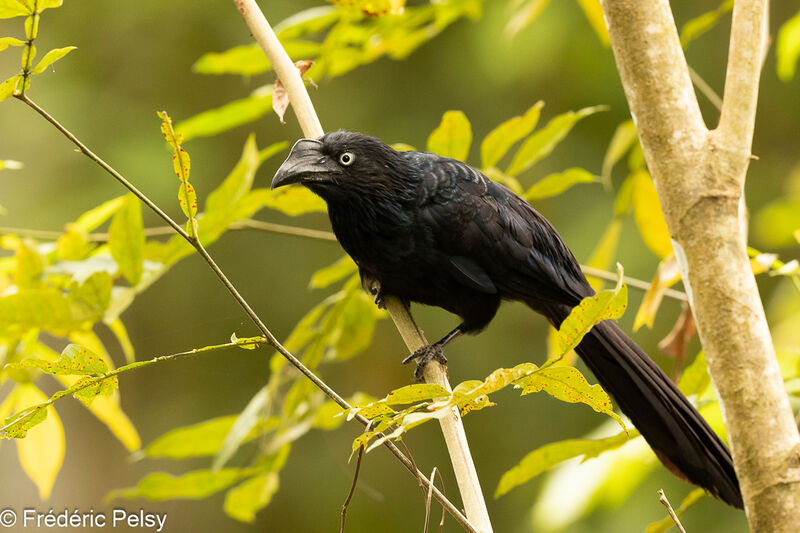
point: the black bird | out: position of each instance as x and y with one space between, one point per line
436 231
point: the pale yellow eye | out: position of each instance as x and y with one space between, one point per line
346 158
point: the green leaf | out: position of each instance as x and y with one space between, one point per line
666 275
567 384
666 524
787 48
499 140
20 423
775 225
557 183
197 484
41 453
311 20
416 393
41 5
93 218
5 42
74 361
523 16
240 180
91 389
701 24
8 87
695 378
452 137
604 305
187 198
197 440
126 239
546 457
245 500
249 59
622 140
648 215
29 266
228 116
292 201
51 57
373 8
605 252
14 8
542 142
245 422
330 274
73 244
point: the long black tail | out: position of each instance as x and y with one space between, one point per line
672 427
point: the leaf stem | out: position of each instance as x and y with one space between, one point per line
85 384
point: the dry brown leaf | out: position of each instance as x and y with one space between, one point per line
676 341
280 98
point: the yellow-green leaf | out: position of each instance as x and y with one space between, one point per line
51 57
249 59
567 384
524 16
187 197
241 428
74 361
499 140
622 140
604 305
14 8
546 457
5 42
695 378
292 201
701 24
121 333
557 183
453 136
605 252
109 412
73 244
41 452
330 274
245 500
126 239
593 11
649 217
197 484
667 275
787 48
8 87
228 116
197 440
542 142
93 218
373 8
416 393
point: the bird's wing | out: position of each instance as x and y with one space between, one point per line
493 239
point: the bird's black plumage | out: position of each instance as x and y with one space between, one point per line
436 231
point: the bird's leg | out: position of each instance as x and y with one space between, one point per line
432 351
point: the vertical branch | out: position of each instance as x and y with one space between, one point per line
700 177
452 427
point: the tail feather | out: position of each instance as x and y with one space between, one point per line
670 424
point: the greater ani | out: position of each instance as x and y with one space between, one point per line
436 231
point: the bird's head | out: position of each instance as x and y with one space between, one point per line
339 164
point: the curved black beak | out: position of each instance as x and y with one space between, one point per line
306 162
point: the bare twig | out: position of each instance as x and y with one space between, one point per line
353 486
453 429
663 499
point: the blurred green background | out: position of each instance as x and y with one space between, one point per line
134 58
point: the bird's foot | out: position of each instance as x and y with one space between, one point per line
423 356
378 295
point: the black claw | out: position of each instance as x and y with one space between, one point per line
378 294
423 356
